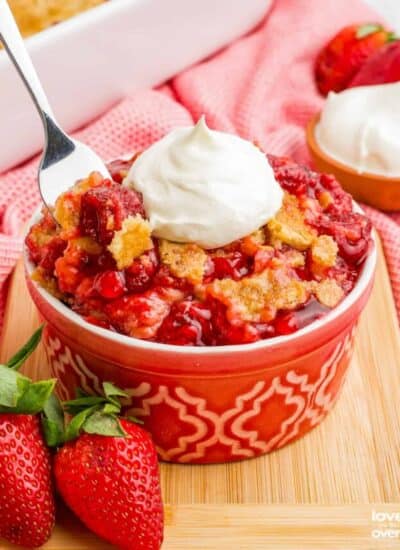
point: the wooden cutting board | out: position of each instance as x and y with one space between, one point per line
353 457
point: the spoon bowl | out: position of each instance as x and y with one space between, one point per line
64 160
379 191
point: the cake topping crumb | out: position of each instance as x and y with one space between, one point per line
258 298
130 241
289 226
324 251
184 260
328 292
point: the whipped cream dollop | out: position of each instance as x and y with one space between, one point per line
360 127
205 187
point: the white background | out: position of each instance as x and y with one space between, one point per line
390 9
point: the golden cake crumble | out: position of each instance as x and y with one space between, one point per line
87 244
324 251
67 207
66 213
328 292
258 298
130 241
184 260
289 226
294 258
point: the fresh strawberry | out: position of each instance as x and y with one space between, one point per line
107 473
26 496
381 68
345 53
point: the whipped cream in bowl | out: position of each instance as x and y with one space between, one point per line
360 128
205 187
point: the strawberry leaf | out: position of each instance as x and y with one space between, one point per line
35 396
12 387
104 424
110 390
96 414
111 408
77 405
22 355
113 393
75 426
80 393
365 30
53 423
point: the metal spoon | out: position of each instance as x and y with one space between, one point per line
64 160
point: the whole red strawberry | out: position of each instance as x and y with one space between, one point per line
345 53
108 475
26 496
381 68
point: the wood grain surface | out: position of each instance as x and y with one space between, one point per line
251 527
353 457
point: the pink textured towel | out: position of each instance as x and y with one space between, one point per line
260 87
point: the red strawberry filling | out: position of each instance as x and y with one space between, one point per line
110 284
233 265
139 275
103 209
187 324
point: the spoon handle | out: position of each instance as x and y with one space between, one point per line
15 47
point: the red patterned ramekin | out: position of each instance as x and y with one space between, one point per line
213 404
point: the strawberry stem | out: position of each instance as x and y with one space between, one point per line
18 394
96 414
53 422
369 28
27 349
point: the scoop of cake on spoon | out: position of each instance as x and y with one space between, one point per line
64 159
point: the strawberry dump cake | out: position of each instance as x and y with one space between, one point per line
119 260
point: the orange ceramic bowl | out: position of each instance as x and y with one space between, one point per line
214 404
378 191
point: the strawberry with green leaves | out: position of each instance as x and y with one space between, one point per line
105 466
107 470
26 494
346 52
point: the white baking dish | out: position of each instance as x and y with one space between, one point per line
94 59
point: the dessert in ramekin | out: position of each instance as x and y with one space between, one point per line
227 352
